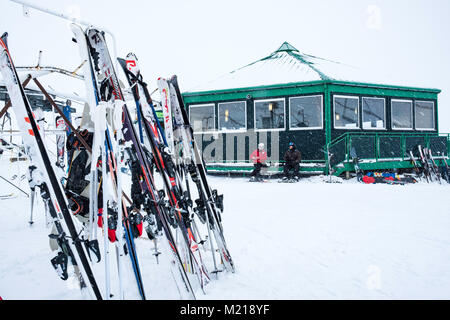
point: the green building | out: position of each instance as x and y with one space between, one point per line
319 105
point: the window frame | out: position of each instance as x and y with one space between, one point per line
412 115
273 129
219 129
214 122
362 113
358 127
415 116
321 113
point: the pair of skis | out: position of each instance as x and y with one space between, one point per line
72 242
91 49
430 169
110 91
178 200
176 156
72 245
210 203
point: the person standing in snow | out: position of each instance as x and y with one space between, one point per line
259 158
292 158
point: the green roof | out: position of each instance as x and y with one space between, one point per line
287 66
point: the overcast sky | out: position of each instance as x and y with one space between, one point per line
405 40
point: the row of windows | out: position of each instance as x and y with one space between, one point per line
306 113
346 113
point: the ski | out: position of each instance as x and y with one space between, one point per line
67 234
426 169
112 92
21 190
102 141
432 163
355 160
414 163
210 202
166 168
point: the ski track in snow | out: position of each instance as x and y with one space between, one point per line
306 240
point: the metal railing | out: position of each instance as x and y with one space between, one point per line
384 146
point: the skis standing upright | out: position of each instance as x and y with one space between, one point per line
444 169
70 243
432 164
111 91
101 62
414 163
166 167
210 203
355 159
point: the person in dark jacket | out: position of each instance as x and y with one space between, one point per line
292 159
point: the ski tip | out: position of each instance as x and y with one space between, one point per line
5 38
132 55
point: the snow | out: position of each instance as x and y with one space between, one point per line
283 68
309 240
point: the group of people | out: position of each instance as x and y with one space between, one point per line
292 158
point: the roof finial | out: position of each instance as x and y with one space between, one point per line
286 47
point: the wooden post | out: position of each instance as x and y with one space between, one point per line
52 102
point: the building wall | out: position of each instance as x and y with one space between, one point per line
237 146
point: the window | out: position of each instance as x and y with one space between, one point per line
373 113
305 113
202 117
346 115
232 116
424 115
402 117
269 114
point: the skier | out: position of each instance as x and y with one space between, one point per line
292 158
259 157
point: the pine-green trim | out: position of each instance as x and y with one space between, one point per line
254 92
391 91
310 87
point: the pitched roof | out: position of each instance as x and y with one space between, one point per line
285 65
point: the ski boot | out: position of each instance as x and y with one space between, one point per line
200 210
60 264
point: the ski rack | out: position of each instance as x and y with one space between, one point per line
57 109
63 16
48 70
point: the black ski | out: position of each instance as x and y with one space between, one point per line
67 236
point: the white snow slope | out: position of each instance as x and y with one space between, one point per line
309 240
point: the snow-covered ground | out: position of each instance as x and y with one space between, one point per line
310 240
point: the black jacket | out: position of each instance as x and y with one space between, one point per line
293 156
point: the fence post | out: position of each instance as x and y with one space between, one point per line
376 147
403 145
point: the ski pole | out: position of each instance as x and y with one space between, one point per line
32 204
15 186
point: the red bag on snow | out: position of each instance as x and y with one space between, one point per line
368 180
